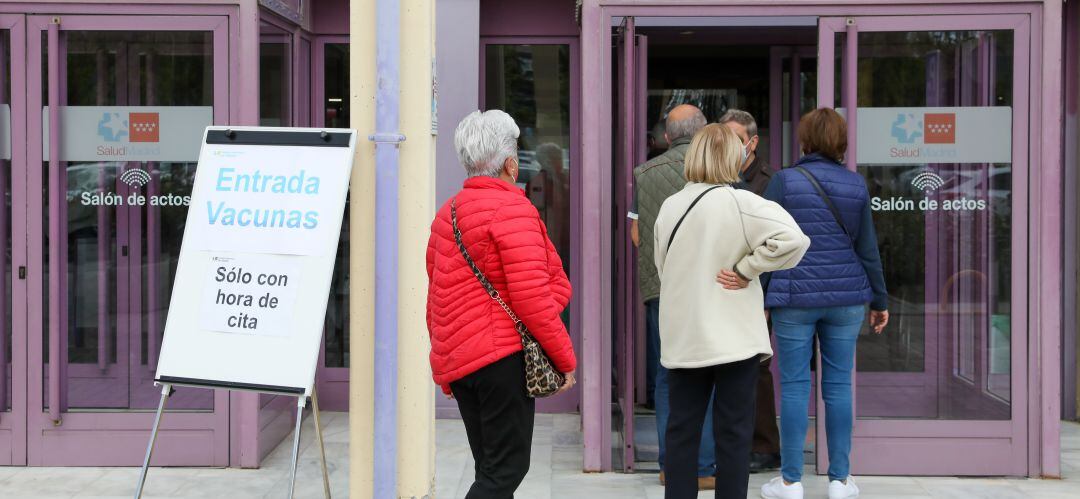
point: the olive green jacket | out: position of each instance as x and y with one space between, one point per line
654 182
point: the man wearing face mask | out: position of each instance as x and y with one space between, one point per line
756 172
755 175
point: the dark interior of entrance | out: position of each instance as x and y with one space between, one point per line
716 69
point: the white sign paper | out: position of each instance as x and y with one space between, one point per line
129 133
927 135
250 294
268 199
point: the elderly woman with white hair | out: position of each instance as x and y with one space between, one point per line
493 272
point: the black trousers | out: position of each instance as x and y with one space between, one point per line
733 427
498 415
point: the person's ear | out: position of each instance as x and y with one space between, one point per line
752 145
511 167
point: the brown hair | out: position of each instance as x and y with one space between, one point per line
714 156
824 131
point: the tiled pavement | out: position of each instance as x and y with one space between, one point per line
555 473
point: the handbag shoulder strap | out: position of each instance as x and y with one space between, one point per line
825 197
671 238
491 291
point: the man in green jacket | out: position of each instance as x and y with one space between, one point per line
654 182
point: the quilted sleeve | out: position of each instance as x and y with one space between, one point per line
560 284
430 272
523 251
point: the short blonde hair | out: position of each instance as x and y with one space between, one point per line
714 156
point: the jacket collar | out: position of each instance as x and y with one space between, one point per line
815 157
492 183
680 141
757 167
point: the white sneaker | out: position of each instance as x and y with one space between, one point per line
841 490
777 489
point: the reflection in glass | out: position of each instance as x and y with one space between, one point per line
336 86
532 83
5 220
336 113
275 76
121 257
946 353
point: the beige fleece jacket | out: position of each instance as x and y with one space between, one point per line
701 323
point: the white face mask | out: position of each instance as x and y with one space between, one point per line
745 152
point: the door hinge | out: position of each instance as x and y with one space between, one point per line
22 272
124 250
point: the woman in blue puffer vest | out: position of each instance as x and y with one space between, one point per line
825 295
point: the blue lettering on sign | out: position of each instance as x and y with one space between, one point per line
228 180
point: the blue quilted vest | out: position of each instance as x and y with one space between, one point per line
831 274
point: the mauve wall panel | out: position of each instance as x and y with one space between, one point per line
527 18
330 17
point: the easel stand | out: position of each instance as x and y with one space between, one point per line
301 401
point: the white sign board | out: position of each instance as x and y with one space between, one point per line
128 133
249 299
927 135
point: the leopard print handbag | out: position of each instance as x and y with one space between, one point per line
541 378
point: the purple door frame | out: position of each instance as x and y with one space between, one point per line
1035 422
570 401
85 437
13 422
633 80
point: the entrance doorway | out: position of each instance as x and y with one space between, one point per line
924 97
105 116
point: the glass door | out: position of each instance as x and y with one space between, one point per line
535 80
937 110
331 109
12 228
121 104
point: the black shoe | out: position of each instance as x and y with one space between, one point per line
764 462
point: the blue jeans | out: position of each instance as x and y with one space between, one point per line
837 331
707 451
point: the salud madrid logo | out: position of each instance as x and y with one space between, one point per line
923 136
134 127
932 128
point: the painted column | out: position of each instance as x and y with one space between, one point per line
590 292
362 79
416 201
1047 282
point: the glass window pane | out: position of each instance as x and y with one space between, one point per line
5 220
120 255
944 222
275 76
336 115
532 84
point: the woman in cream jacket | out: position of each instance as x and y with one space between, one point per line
712 319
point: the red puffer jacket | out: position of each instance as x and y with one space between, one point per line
503 234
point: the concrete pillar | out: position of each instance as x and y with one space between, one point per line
416 391
362 250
